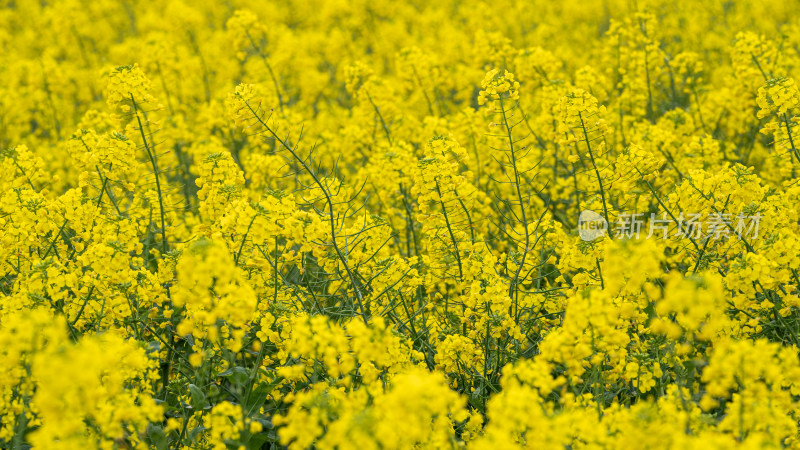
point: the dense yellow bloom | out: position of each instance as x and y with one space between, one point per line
211 289
220 181
777 97
349 224
498 87
101 380
416 409
127 84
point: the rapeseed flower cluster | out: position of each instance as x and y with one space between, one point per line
350 224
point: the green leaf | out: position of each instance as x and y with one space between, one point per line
238 376
258 397
157 437
198 397
257 440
